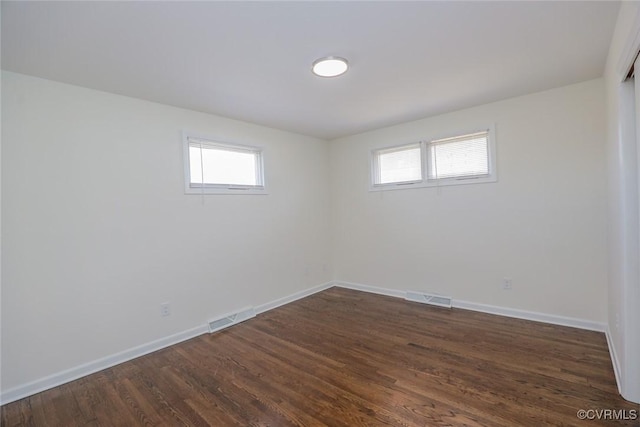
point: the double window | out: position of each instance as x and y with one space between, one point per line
213 167
461 159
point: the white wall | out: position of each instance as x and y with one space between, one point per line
98 231
624 251
543 224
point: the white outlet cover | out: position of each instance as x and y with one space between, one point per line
165 309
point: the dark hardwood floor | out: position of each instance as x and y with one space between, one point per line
347 358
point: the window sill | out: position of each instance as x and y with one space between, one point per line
434 183
225 190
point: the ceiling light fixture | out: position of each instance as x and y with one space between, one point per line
331 66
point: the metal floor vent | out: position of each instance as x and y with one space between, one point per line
231 319
439 300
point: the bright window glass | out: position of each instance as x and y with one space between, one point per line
397 165
459 157
220 166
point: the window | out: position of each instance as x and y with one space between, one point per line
465 156
213 167
461 159
398 165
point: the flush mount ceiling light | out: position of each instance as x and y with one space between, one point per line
331 66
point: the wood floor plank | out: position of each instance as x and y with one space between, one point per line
348 358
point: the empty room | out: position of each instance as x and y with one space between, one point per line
319 213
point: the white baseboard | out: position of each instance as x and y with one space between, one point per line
490 309
614 359
535 316
293 297
68 375
371 289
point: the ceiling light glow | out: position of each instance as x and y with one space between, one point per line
331 66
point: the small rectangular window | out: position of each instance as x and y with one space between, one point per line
462 159
465 156
215 167
398 165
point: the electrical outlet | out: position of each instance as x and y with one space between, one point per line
507 284
165 309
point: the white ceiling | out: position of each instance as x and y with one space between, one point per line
251 60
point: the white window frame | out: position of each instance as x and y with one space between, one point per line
190 188
492 176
